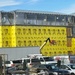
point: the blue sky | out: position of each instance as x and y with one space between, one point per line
62 6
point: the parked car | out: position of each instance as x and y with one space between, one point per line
9 64
30 62
9 70
12 63
65 59
69 67
43 59
46 60
18 64
41 69
54 68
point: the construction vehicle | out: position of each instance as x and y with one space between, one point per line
50 41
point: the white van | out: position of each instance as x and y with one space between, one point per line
65 59
47 60
43 59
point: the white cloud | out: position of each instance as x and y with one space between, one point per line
68 10
8 3
32 1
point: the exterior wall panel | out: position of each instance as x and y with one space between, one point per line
19 53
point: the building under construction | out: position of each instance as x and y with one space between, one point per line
22 28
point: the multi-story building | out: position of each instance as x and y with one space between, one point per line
22 28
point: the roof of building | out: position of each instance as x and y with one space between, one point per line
38 12
41 12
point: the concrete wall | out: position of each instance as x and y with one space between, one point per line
18 53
